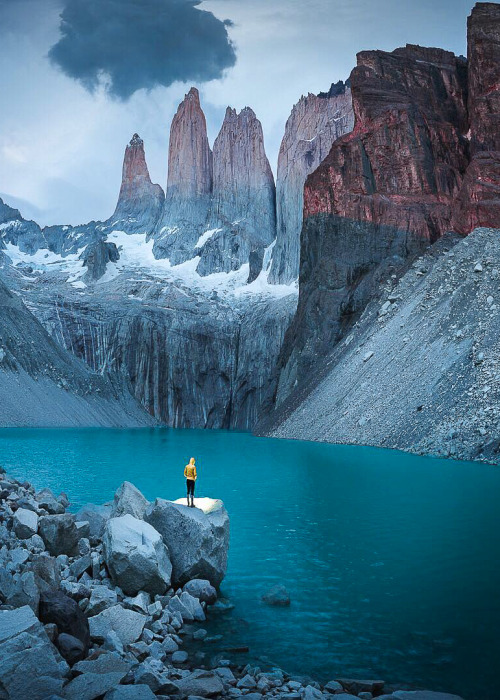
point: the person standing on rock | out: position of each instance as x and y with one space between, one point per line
191 476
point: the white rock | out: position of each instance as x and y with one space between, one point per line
25 523
136 557
127 624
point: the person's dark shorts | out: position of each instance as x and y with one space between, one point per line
190 487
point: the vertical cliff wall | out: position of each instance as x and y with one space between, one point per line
315 123
382 195
242 216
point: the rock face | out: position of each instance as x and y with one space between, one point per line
242 218
96 257
43 384
140 201
449 407
31 667
136 557
197 540
189 184
383 193
479 200
315 123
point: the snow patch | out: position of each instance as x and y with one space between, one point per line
206 236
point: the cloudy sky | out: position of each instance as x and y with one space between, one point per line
79 77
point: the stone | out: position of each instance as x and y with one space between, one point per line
197 539
30 667
179 657
107 662
96 516
24 591
127 624
129 500
130 692
84 545
248 682
59 534
355 687
79 566
136 557
58 608
200 634
101 598
201 683
140 602
333 686
70 648
89 686
277 595
25 523
47 569
201 589
46 499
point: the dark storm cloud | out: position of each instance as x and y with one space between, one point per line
141 43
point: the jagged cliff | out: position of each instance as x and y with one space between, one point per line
392 186
315 123
242 216
140 201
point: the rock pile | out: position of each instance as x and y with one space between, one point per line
88 610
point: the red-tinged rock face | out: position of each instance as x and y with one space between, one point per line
404 162
479 201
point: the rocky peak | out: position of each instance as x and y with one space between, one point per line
314 124
140 201
243 213
189 157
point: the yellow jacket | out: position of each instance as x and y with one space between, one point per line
190 471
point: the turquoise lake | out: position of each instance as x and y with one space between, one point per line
392 561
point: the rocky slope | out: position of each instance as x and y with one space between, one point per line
419 371
43 385
315 123
395 184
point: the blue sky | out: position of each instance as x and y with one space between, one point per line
73 92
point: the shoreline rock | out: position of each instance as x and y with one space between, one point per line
68 631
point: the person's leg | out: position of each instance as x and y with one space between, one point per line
188 482
192 492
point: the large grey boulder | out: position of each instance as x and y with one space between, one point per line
200 683
96 516
30 665
46 499
136 556
129 501
24 591
60 534
197 538
101 598
201 589
25 523
127 624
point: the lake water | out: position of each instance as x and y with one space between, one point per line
392 561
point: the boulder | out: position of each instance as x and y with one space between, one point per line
197 538
127 624
201 589
89 686
277 595
31 667
24 592
46 570
204 684
96 516
129 501
70 648
103 663
101 598
25 523
46 499
375 687
59 533
130 692
136 556
63 611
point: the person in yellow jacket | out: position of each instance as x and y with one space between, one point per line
191 476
